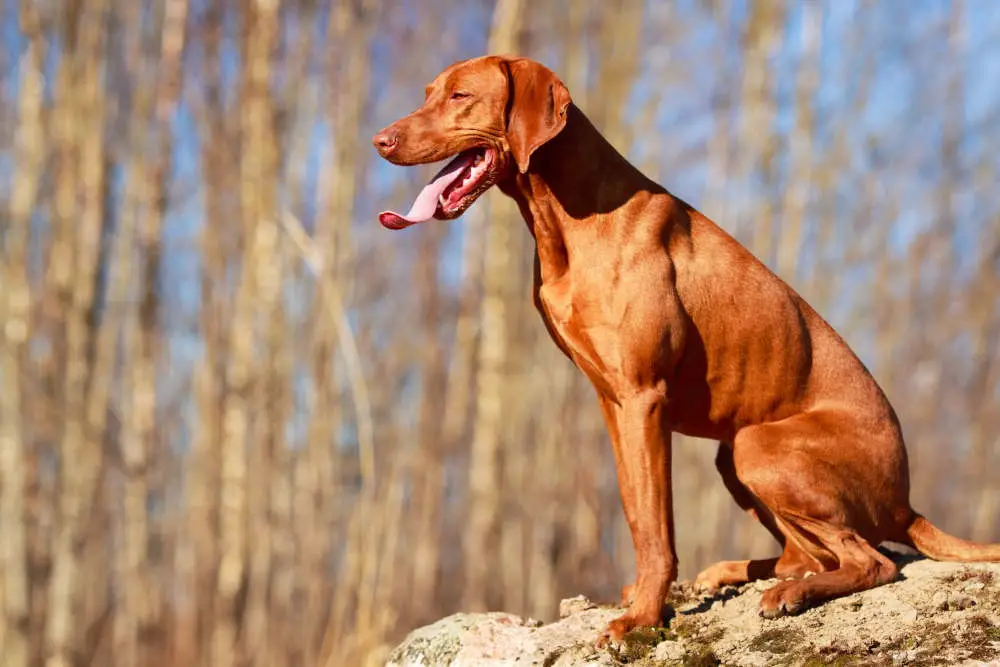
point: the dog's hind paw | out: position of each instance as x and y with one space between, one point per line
784 599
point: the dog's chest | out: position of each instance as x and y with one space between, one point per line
586 328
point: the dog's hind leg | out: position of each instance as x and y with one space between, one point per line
860 567
793 562
811 478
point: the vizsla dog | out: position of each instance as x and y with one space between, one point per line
680 329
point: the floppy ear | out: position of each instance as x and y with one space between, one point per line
537 102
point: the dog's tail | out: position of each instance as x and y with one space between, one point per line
934 543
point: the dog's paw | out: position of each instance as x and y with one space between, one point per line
621 626
712 578
785 599
706 587
615 632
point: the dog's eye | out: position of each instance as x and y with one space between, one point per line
460 95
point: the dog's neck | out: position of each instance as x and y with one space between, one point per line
558 202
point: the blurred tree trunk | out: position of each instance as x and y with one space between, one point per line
301 102
548 518
316 476
617 69
800 145
427 536
985 318
130 560
141 612
198 562
757 140
79 217
15 327
380 503
349 29
943 278
719 158
931 277
270 595
982 315
254 293
269 400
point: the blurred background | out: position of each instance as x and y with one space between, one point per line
243 424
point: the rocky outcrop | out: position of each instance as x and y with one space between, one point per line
934 614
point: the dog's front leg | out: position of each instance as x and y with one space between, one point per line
642 457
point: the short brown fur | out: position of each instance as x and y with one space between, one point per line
681 329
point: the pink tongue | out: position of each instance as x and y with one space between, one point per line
426 202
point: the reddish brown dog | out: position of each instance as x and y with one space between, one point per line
680 329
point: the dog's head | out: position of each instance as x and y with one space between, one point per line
489 114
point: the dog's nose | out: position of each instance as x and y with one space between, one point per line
386 142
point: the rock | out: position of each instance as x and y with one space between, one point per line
574 605
960 601
952 601
925 617
668 652
495 639
908 615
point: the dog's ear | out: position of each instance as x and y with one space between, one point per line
537 102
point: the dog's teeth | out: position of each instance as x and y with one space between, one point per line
441 200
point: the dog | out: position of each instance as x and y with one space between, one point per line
680 329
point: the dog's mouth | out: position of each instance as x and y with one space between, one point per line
451 191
